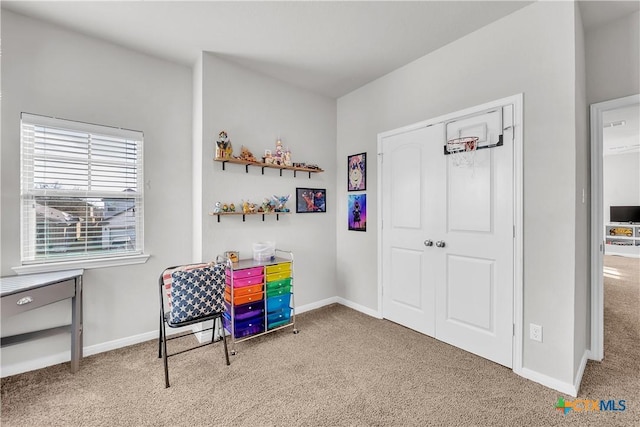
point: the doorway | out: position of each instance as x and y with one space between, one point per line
609 114
451 232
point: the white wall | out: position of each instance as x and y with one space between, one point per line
50 71
621 186
255 110
531 51
582 308
613 64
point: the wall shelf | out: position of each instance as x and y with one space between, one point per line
261 165
244 215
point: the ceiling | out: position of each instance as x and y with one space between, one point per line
331 48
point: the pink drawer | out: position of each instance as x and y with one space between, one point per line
246 272
246 281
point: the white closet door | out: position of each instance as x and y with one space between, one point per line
408 212
474 274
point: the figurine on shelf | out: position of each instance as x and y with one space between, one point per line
217 208
232 207
280 203
266 205
246 155
225 208
278 156
223 150
268 159
245 207
287 158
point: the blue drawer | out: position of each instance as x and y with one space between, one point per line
278 303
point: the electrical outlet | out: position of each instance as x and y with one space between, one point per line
535 332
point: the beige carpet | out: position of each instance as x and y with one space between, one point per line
343 368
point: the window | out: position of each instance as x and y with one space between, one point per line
81 191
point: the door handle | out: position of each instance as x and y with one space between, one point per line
440 244
428 242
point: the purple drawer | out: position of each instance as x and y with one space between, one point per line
244 328
246 311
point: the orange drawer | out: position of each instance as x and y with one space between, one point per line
238 292
244 299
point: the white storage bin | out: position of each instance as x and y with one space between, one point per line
264 251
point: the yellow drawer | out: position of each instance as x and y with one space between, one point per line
278 276
279 268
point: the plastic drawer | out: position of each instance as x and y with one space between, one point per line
246 311
243 299
278 318
278 303
244 328
278 276
246 281
245 272
279 283
246 290
282 290
279 268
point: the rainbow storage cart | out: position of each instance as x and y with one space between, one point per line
259 297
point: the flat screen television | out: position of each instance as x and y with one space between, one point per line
624 214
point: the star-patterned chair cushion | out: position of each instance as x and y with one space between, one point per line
197 293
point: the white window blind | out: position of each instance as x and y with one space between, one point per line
82 190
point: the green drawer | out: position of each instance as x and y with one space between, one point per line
279 283
282 290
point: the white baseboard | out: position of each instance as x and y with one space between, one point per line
317 304
548 381
360 308
65 356
583 365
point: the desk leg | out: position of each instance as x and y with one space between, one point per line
76 327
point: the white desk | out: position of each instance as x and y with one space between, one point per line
23 293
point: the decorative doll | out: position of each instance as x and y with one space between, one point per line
278 157
223 150
217 208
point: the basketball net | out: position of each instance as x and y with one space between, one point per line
462 150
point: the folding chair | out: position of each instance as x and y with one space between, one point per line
190 294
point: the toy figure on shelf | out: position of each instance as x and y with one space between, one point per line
225 208
268 159
280 203
266 206
287 158
217 208
232 207
278 156
245 207
223 150
246 155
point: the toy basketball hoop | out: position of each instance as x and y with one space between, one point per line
462 150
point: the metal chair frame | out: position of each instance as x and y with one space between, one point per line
165 321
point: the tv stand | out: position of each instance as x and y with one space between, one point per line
622 238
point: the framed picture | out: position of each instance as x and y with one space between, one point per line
357 172
311 200
357 212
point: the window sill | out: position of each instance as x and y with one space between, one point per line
84 264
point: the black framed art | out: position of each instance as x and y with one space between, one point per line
311 200
357 172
